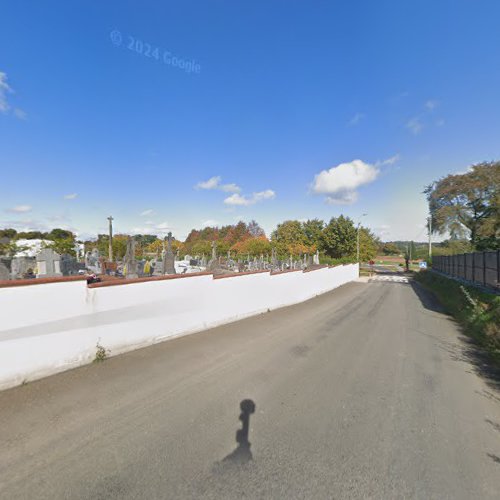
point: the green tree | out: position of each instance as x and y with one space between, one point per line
286 234
313 230
468 205
368 244
201 247
61 246
339 238
389 248
60 234
8 233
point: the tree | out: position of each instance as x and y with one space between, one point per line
60 234
339 238
286 234
31 235
8 233
202 247
368 244
468 205
61 246
389 249
252 246
313 230
255 230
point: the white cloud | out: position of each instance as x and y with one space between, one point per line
340 182
342 198
70 196
25 225
19 113
389 161
212 183
152 228
245 201
4 90
19 209
215 183
147 212
356 119
440 123
415 125
382 231
268 194
5 107
237 199
209 223
230 188
431 104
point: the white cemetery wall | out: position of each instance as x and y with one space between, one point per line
49 328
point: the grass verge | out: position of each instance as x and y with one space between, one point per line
477 311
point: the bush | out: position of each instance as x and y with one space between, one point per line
324 259
477 311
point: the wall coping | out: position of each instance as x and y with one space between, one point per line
131 281
40 281
125 281
317 268
275 273
236 275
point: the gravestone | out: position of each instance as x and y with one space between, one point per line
214 265
169 258
69 265
158 267
21 266
48 264
316 258
129 262
274 259
140 267
92 261
4 272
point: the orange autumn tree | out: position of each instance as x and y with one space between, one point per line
252 246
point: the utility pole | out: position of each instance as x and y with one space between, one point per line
357 239
110 248
429 220
357 244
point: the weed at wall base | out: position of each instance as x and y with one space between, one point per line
101 353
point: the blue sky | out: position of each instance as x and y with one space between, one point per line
296 110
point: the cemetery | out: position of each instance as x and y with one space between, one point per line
63 301
68 319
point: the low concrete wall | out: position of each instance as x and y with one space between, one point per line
45 329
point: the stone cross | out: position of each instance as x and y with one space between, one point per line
110 247
169 259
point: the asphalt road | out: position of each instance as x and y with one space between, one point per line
365 392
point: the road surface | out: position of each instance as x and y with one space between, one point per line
365 392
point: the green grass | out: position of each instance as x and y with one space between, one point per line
477 311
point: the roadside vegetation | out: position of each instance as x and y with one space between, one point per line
477 311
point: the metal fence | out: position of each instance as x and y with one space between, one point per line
482 268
